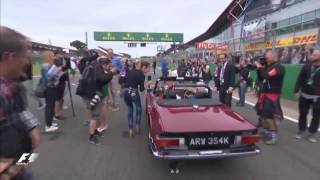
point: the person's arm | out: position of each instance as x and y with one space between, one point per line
53 71
102 77
246 73
301 77
8 170
141 82
274 72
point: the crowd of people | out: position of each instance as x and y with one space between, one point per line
104 78
268 87
107 78
287 55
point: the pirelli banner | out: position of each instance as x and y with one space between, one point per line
285 42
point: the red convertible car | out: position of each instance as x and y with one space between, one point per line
185 122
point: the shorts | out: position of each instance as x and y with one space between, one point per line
96 111
72 71
271 109
60 91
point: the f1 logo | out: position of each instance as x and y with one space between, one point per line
27 158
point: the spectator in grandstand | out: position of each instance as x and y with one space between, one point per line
295 56
306 52
285 56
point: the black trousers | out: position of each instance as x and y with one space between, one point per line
225 98
304 106
51 97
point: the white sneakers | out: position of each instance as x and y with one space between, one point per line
52 128
311 137
54 124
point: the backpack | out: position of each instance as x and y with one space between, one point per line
87 84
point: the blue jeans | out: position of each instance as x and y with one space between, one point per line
242 92
130 99
206 82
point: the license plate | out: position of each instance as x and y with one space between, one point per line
210 142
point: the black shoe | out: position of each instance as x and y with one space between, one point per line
100 134
94 140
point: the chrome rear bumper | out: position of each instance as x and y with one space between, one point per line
199 154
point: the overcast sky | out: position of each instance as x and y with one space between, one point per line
68 20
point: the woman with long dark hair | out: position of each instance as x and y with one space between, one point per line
135 81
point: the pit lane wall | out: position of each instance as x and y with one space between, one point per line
292 73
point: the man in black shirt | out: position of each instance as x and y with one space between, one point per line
308 89
268 106
99 73
227 78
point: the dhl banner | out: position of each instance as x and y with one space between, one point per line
222 49
292 41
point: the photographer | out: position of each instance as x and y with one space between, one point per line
95 76
135 78
308 90
268 106
61 86
50 74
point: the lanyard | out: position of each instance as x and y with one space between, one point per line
222 70
314 71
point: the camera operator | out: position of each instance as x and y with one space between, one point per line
136 78
61 87
98 74
308 84
19 132
268 106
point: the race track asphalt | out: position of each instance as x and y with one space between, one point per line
67 154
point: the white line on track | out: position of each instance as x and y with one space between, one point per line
286 117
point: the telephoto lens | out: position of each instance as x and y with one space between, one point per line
94 101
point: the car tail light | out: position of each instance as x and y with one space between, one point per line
169 142
252 139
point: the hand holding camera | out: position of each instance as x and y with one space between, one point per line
94 101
